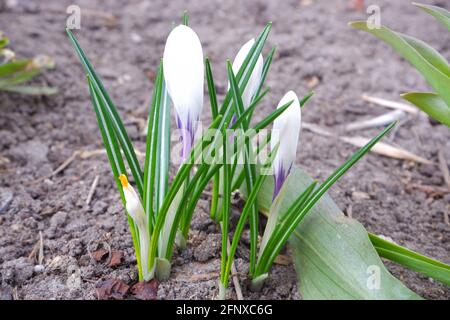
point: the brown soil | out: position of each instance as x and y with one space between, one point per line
315 45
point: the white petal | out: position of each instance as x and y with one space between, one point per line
286 131
184 72
132 202
255 78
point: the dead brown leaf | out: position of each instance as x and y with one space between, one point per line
99 255
145 290
112 289
116 258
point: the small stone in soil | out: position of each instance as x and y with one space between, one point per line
6 197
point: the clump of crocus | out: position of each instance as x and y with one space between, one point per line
157 211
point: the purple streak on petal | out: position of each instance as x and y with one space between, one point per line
233 120
279 179
187 136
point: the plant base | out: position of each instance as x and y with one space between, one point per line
180 240
222 292
162 269
257 283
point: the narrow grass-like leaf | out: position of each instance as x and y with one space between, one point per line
119 127
225 206
163 152
115 160
211 89
249 168
281 236
152 148
185 18
413 260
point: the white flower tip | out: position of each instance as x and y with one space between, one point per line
290 96
255 77
184 72
286 129
132 201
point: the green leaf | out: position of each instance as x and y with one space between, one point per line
211 89
4 41
19 77
436 78
117 122
8 69
186 18
115 160
282 233
163 152
249 168
31 90
413 260
431 104
442 15
429 53
332 253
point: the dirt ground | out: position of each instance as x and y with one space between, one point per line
316 50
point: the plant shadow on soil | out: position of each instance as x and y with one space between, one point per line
316 50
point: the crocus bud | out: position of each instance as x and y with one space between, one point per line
184 76
133 203
286 131
136 211
255 77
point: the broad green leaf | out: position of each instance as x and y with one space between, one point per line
442 15
413 260
19 78
31 90
8 69
333 255
436 78
429 53
431 104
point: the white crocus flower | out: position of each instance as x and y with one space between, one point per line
286 131
136 211
184 76
255 77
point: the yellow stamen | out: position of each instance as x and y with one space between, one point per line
123 180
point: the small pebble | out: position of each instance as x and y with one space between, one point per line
39 268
